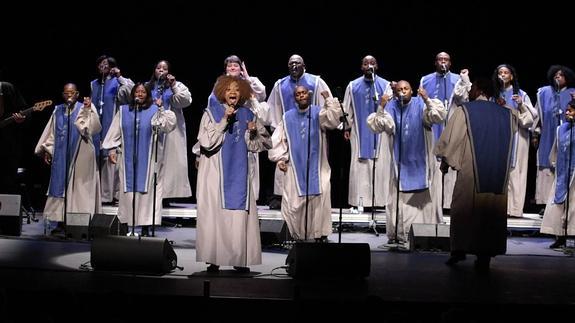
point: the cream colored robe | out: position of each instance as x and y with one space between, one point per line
225 237
294 206
83 194
414 207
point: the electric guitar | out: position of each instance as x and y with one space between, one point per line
39 106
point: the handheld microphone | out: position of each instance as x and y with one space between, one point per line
557 86
401 97
444 67
500 78
371 69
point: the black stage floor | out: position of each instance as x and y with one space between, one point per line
46 279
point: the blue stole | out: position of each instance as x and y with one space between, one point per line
413 157
439 87
287 88
564 143
143 144
234 184
166 95
552 107
296 124
487 124
363 105
58 168
507 94
105 106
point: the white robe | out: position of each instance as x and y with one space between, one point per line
275 114
225 237
413 207
83 193
175 165
361 170
293 206
518 174
144 201
554 216
109 175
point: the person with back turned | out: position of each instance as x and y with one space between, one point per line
477 143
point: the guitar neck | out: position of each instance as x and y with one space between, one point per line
10 119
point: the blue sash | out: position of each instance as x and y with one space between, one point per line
489 129
287 88
564 146
166 95
507 94
234 184
439 87
143 144
552 106
106 107
297 125
364 104
58 168
413 147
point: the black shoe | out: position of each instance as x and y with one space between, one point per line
482 263
213 268
145 231
559 243
242 270
455 258
323 239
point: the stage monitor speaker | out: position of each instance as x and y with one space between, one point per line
103 225
10 215
423 236
77 225
143 255
329 260
274 232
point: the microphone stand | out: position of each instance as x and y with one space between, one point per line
101 109
372 222
568 182
344 122
134 168
68 106
155 130
307 168
445 102
398 169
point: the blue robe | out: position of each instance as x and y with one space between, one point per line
491 161
363 104
59 159
297 126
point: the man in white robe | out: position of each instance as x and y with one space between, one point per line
74 150
281 100
361 99
441 85
306 200
411 201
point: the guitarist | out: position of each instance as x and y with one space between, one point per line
11 102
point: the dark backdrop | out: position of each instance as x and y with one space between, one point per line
55 43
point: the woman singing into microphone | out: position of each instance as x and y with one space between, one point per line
130 139
227 226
